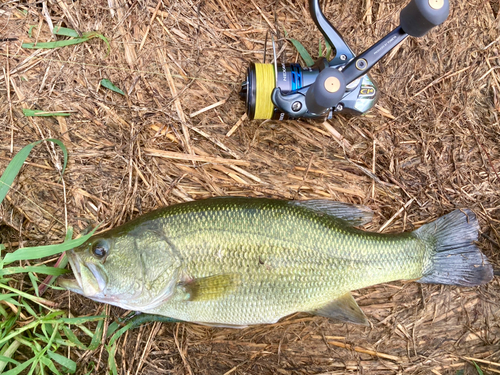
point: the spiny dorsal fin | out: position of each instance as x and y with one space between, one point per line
211 287
343 308
352 213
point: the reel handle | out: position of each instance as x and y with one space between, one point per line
326 91
416 19
420 16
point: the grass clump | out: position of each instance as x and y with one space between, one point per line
31 326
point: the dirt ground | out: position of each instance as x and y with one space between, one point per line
179 134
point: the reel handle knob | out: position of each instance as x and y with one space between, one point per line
326 91
420 16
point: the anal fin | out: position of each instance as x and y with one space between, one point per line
343 308
220 325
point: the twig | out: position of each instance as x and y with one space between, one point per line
373 165
237 125
447 75
396 215
150 23
183 356
192 157
177 102
154 331
46 14
264 16
497 364
366 351
215 105
7 84
337 136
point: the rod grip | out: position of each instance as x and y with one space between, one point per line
326 92
420 16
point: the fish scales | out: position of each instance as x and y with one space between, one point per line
289 259
240 261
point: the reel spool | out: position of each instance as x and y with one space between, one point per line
289 91
261 81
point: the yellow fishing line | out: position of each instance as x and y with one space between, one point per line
264 86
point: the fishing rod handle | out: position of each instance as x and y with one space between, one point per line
420 16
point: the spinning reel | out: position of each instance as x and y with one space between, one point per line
341 85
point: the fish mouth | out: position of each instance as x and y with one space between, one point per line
88 281
73 285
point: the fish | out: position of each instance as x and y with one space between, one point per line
236 262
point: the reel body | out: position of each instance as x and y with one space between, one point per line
290 91
292 80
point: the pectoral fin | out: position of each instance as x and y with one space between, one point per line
343 308
211 287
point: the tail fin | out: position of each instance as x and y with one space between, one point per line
456 260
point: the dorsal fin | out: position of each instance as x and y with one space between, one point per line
353 214
343 308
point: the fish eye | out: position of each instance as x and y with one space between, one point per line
100 249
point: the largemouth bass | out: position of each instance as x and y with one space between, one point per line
243 261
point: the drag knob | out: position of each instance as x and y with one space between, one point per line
420 16
326 92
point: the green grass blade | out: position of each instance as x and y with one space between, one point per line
478 369
76 39
40 113
38 252
302 52
17 162
7 354
34 282
320 54
63 31
73 339
83 319
112 328
12 301
53 315
30 31
111 359
16 370
37 300
328 50
92 366
47 362
33 347
7 296
97 336
69 364
109 85
69 234
61 263
46 270
29 309
56 44
7 359
100 36
118 333
7 325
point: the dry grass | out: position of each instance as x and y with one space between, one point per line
431 145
